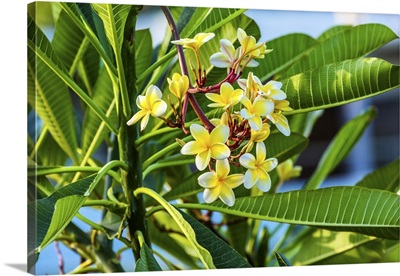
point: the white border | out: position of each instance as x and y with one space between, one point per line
14 127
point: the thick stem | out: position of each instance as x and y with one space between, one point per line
126 140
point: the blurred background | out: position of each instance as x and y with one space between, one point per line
378 146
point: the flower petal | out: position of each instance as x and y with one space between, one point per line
250 178
159 107
208 180
261 152
245 113
282 124
219 134
141 102
226 195
264 181
203 159
222 168
248 161
269 164
153 93
199 133
210 195
220 60
255 122
144 121
234 180
192 147
139 115
216 98
219 151
263 107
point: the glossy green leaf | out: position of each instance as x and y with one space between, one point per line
165 234
340 146
384 178
323 244
202 253
143 50
222 254
206 20
351 43
114 17
147 262
93 129
333 31
54 212
50 97
357 209
282 57
340 83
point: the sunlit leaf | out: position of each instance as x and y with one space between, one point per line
384 178
357 209
351 43
340 83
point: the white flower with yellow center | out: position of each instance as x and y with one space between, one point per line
207 145
227 97
258 168
253 112
149 104
220 184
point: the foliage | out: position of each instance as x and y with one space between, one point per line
184 147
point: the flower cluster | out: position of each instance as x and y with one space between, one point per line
249 109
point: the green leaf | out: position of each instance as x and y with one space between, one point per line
340 147
222 254
282 56
93 129
50 97
206 20
185 227
340 83
282 260
357 209
143 50
53 213
333 31
384 178
351 43
163 236
114 17
40 49
147 262
323 244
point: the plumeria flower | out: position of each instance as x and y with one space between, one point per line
278 119
227 97
258 168
178 85
149 104
220 184
272 90
228 56
196 42
281 123
253 112
207 145
249 47
250 85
